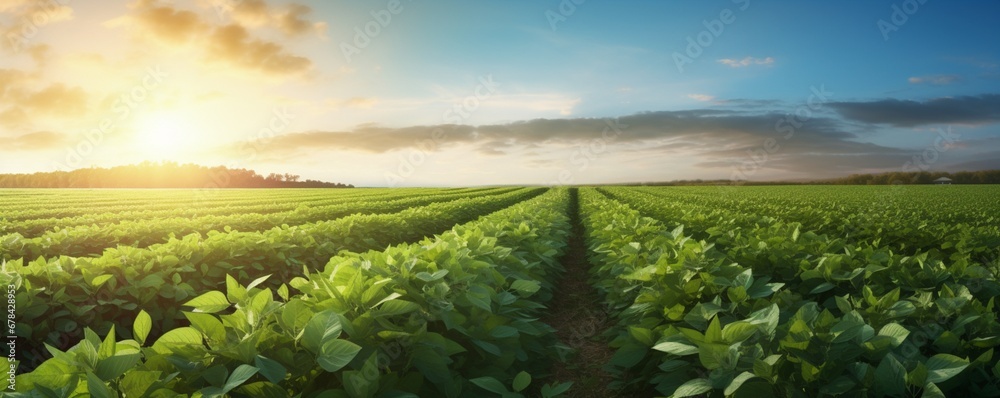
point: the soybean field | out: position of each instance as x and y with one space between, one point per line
621 291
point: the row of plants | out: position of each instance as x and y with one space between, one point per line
756 316
86 240
59 296
131 210
925 219
453 316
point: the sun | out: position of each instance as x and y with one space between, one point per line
165 135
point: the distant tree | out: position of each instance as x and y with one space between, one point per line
160 175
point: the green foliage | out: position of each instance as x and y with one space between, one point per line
447 316
760 305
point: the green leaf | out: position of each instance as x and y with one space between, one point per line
177 340
337 353
258 281
321 328
100 279
521 381
942 367
932 391
714 332
738 381
503 331
207 324
240 375
395 307
693 387
113 367
107 348
271 369
490 384
890 377
675 348
97 388
210 302
140 328
825 286
549 390
526 287
737 332
896 332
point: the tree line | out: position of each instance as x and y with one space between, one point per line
160 175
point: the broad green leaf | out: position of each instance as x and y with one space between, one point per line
490 384
737 332
97 388
896 332
890 377
113 367
693 387
521 381
932 391
337 353
321 328
549 390
503 331
141 327
241 374
675 348
270 369
738 381
178 340
210 302
526 287
942 367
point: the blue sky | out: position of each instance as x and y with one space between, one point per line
267 85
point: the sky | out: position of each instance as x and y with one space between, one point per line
453 93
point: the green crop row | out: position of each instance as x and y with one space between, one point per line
32 225
774 311
452 316
61 295
912 220
93 239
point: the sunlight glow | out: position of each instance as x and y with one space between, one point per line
165 135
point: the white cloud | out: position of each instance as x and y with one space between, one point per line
701 97
748 61
937 80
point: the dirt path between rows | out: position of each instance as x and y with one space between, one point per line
577 315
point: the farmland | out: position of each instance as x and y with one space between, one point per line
794 291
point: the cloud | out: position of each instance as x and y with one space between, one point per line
937 80
748 61
26 18
20 102
233 44
292 20
980 109
36 141
230 43
701 97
